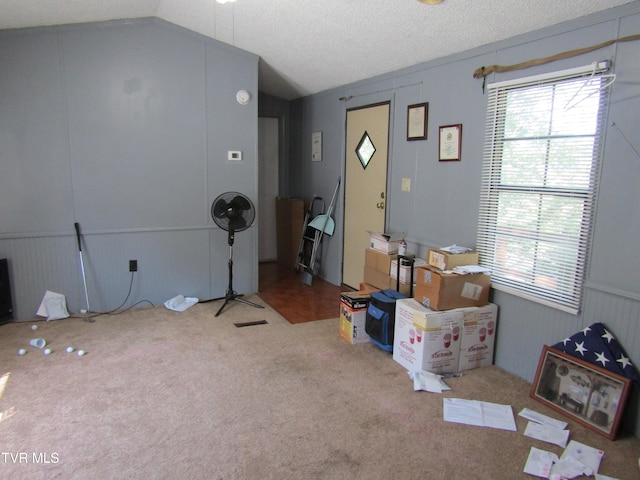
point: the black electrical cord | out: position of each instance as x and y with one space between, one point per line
117 311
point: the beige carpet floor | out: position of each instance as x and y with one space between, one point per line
169 395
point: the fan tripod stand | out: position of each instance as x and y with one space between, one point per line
231 293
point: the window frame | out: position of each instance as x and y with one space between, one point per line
489 229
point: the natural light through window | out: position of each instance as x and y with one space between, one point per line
541 165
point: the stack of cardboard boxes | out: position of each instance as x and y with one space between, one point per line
379 262
448 325
381 265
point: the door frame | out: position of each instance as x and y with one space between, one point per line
385 101
269 217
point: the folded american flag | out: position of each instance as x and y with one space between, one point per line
598 346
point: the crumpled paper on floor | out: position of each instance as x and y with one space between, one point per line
428 382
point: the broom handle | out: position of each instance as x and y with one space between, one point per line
77 226
333 199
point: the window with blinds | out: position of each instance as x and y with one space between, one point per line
540 174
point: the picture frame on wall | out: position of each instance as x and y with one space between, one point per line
417 119
316 147
585 392
450 143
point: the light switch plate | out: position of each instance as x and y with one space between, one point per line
406 184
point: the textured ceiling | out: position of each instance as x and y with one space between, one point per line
310 46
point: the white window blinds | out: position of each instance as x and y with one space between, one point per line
539 180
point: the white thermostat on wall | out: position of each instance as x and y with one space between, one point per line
234 155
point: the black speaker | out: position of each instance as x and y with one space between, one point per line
6 308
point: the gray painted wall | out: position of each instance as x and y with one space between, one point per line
442 206
123 127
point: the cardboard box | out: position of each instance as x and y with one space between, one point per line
375 277
353 315
478 336
425 339
403 288
289 222
379 260
405 270
447 261
382 281
438 290
385 242
365 287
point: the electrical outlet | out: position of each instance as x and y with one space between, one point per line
234 155
133 265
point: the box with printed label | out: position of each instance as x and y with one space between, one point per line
405 269
439 290
385 242
353 315
446 260
478 336
425 339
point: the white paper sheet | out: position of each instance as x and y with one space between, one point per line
456 249
590 456
547 433
540 462
468 269
541 419
428 382
569 468
481 414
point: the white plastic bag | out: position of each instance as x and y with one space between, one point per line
180 303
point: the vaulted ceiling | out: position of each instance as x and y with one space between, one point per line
306 47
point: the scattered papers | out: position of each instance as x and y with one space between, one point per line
456 249
577 459
547 429
604 477
481 414
540 462
470 269
542 419
53 306
569 467
589 456
180 303
547 433
428 382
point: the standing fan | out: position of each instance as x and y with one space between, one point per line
233 212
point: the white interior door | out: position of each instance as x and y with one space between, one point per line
268 151
366 156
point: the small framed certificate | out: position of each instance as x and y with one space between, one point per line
316 146
450 142
417 116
